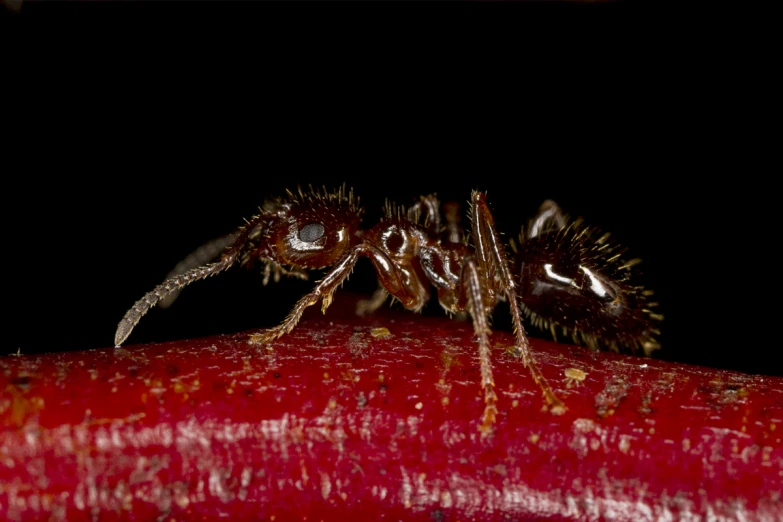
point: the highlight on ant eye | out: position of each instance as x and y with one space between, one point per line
563 276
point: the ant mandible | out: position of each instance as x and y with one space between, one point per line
566 278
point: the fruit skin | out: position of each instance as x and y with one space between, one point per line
342 420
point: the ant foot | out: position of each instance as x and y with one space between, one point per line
488 420
262 338
558 409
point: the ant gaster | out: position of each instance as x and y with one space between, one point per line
564 277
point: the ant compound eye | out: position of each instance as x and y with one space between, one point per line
311 232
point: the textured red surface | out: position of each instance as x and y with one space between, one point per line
338 422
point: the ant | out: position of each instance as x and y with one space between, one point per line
560 273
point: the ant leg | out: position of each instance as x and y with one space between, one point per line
453 217
204 254
472 285
430 205
491 258
272 269
369 306
323 291
549 216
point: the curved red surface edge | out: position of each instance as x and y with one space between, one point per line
341 420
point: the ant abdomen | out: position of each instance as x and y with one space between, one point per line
573 281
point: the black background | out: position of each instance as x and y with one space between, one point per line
124 162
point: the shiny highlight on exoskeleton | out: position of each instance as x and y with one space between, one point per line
561 275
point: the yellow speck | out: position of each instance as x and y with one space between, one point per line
514 403
574 376
344 495
230 391
332 403
380 378
441 381
652 431
744 429
624 444
326 375
419 405
114 389
686 444
743 392
380 332
772 427
533 438
445 401
595 444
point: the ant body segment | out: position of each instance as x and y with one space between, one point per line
559 275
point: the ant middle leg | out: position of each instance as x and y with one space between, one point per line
549 216
369 306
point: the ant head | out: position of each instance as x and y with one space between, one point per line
317 228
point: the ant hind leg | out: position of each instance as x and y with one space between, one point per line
491 259
471 284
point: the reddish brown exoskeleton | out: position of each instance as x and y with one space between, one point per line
571 276
416 249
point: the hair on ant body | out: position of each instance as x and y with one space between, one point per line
560 274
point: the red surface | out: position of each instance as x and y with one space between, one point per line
335 423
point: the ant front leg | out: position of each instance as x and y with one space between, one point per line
491 259
323 291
